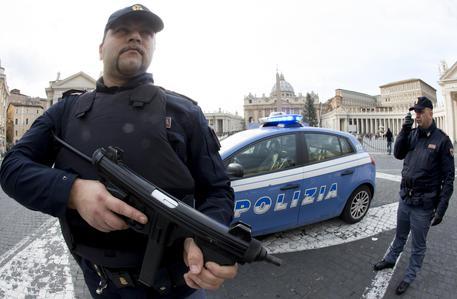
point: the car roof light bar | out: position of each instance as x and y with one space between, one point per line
284 120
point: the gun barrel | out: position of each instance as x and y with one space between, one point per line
273 260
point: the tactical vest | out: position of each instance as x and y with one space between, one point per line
133 120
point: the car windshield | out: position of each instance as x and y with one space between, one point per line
239 138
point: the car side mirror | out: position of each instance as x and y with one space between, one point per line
235 170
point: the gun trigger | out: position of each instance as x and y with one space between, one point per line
136 226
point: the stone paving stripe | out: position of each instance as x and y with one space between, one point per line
390 177
379 284
40 269
334 232
24 242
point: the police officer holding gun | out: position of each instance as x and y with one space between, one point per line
426 187
165 138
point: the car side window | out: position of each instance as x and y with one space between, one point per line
323 147
273 154
345 146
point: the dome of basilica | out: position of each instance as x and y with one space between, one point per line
284 87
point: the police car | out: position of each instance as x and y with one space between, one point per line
287 175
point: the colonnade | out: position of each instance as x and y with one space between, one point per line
367 125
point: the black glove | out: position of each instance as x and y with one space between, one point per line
408 122
437 219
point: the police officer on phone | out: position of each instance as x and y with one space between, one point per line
165 138
426 187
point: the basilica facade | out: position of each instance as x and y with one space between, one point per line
282 98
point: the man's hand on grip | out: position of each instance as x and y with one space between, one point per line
99 208
209 276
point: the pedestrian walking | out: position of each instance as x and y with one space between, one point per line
165 138
389 138
426 187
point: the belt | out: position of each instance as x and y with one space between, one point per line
122 278
416 202
414 190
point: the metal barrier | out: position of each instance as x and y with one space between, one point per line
376 145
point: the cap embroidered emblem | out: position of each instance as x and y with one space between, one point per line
123 281
137 7
432 146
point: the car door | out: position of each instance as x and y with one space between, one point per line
267 195
327 177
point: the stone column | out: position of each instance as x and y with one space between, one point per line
450 107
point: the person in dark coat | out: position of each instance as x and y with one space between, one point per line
165 138
426 187
390 138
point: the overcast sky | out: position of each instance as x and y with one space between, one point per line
217 52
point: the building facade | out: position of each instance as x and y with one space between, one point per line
4 94
282 99
363 114
448 83
224 123
78 81
21 113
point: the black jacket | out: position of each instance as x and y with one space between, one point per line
428 168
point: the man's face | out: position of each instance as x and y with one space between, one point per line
127 49
424 117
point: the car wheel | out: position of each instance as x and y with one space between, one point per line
357 205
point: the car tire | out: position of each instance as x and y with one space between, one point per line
357 205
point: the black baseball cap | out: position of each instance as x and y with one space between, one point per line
138 10
421 103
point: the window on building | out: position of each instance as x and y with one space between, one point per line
26 121
16 133
15 122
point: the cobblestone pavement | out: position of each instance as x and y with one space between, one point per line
325 260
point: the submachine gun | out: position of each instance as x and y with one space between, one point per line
170 219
